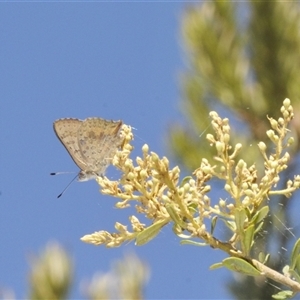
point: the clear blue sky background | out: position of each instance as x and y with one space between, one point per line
109 60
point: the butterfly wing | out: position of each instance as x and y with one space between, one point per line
67 132
98 140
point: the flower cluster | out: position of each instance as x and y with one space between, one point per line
161 197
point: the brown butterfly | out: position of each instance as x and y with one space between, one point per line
91 143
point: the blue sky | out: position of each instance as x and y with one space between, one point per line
109 60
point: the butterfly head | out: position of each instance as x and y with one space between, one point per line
88 175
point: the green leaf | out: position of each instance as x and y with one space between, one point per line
230 224
240 265
216 266
193 243
149 233
297 267
295 254
260 215
213 224
240 217
192 208
263 258
267 258
248 213
248 239
258 228
177 229
286 270
283 295
185 180
175 216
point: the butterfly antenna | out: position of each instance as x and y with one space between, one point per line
67 187
59 173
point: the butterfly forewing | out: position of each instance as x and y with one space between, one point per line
66 130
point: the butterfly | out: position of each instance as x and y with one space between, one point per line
91 143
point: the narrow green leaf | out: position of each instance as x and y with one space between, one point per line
258 228
283 295
175 216
267 258
240 265
177 229
295 254
216 266
263 258
286 270
192 208
248 239
240 217
213 224
149 233
297 267
185 180
248 213
193 243
260 215
230 224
